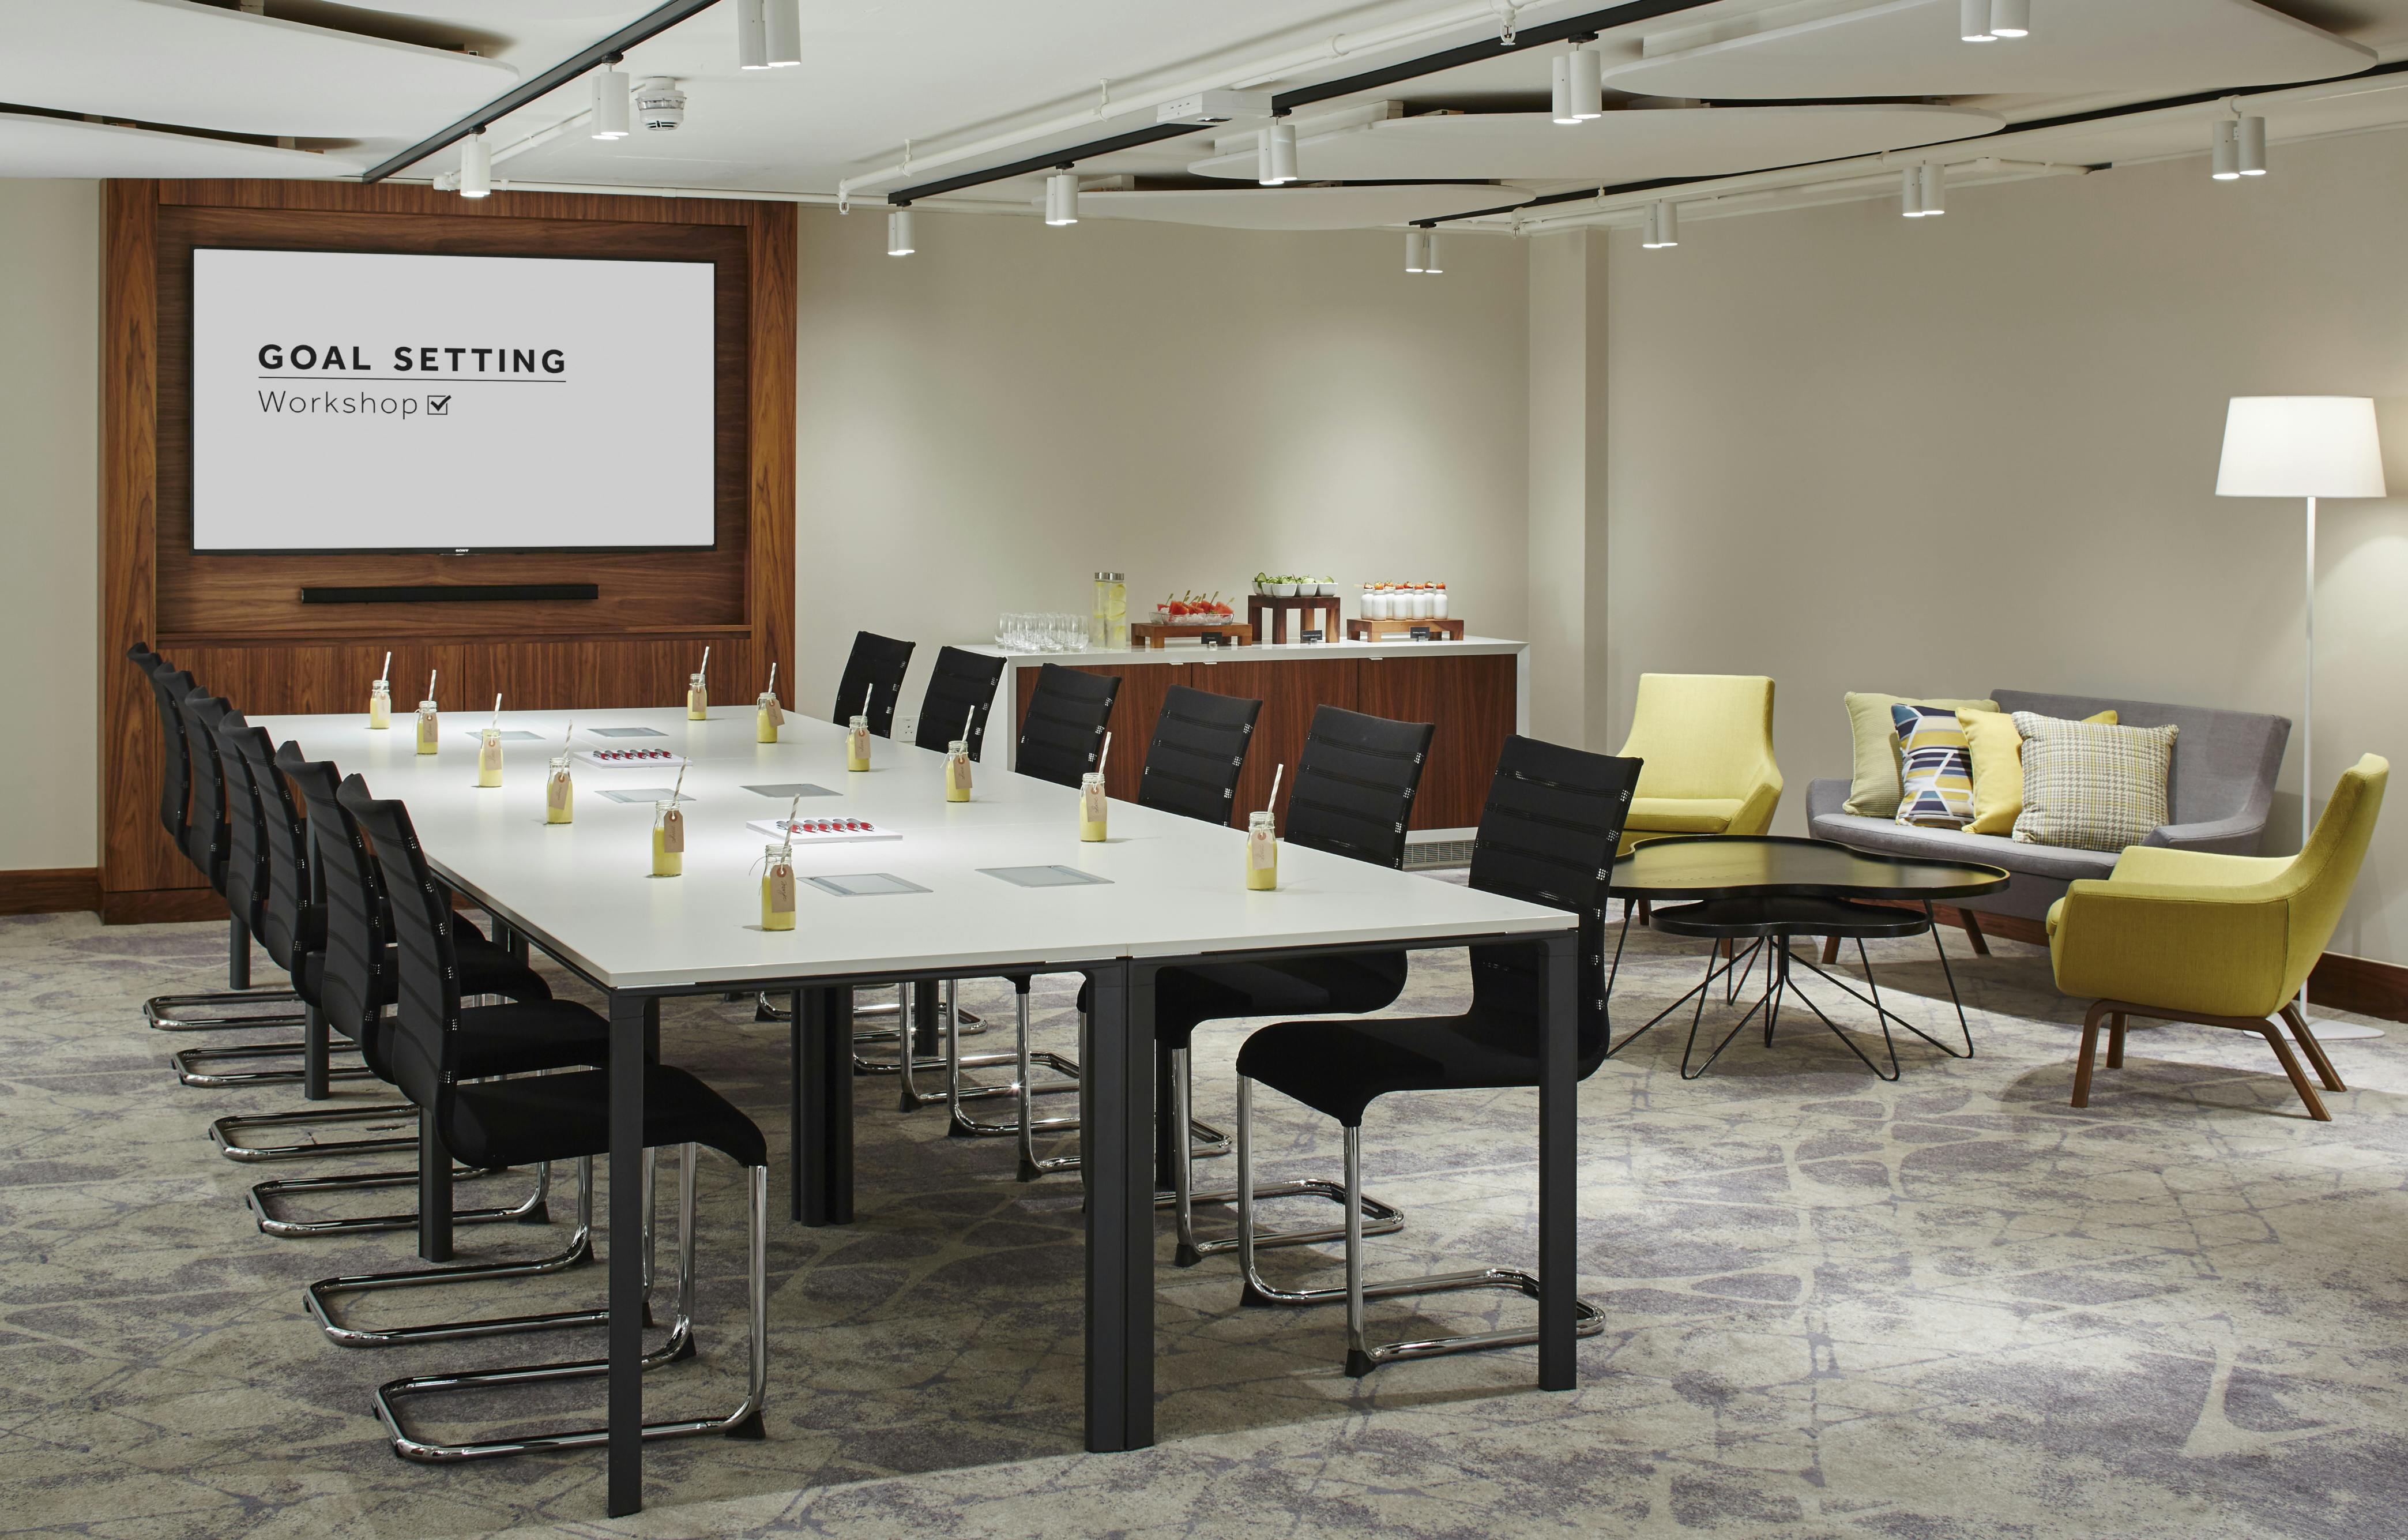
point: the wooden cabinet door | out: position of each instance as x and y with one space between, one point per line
1140 702
1290 692
1471 702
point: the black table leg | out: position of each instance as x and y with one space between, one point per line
315 1052
633 1018
238 952
1558 1164
820 1135
1116 1118
434 1193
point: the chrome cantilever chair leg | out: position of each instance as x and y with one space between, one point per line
580 1250
1203 1140
1361 1356
1024 1094
534 1209
744 1422
188 1064
1380 1218
184 1012
230 1133
767 1008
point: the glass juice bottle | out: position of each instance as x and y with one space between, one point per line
698 697
380 704
669 841
488 756
1261 851
1094 806
427 726
777 890
856 745
957 770
1112 611
767 717
559 793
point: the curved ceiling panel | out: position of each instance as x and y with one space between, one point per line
1296 208
1628 145
199 66
69 147
1911 48
503 12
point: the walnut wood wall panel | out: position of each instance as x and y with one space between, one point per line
236 622
1471 702
1290 692
1134 711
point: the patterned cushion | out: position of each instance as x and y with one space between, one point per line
2092 786
1936 772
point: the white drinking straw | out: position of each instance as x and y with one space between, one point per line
388 669
1275 780
430 682
569 738
968 723
1105 756
792 808
706 661
773 680
678 787
497 710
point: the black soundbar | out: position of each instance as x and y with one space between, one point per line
451 592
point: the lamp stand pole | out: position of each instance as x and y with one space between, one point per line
2327 1031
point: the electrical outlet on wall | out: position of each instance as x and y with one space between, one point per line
906 728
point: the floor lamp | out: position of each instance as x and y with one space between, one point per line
2311 447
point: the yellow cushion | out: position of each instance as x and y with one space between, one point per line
1999 768
1874 788
1681 815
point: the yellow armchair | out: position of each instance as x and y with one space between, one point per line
1707 744
2225 941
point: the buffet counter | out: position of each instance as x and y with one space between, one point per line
1475 690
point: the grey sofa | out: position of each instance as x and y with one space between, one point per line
2223 783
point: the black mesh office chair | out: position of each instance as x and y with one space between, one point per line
1063 730
872 682
1548 836
239 1007
960 693
1192 768
1353 795
535 1119
345 938
224 839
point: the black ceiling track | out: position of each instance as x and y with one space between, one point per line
642 29
1585 26
2102 114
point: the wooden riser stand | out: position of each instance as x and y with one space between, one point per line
1449 629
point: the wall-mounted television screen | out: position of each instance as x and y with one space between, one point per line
367 401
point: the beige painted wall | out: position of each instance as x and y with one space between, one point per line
50 520
984 424
1855 452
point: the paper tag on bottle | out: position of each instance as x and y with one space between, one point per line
673 832
695 701
426 727
1091 804
857 743
1262 850
489 754
777 713
555 791
781 889
957 775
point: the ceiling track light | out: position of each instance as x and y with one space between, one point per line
898 233
782 26
1275 154
2252 136
1933 182
2009 18
1910 193
1062 198
1974 21
1416 249
1586 68
1663 227
1563 107
476 166
752 35
2224 150
610 103
1430 253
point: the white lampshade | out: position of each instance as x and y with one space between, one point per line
2301 446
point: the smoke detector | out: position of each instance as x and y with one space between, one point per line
660 104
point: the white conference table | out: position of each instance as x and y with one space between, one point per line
1172 892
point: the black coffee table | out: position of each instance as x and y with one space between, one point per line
1768 889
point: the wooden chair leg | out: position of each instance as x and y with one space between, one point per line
1830 950
2299 1076
2315 1050
1646 911
2116 1041
2089 1047
1974 933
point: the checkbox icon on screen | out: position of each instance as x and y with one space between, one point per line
438 406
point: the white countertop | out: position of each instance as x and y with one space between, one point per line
584 890
1176 652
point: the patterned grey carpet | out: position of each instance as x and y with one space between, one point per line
1948 1307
